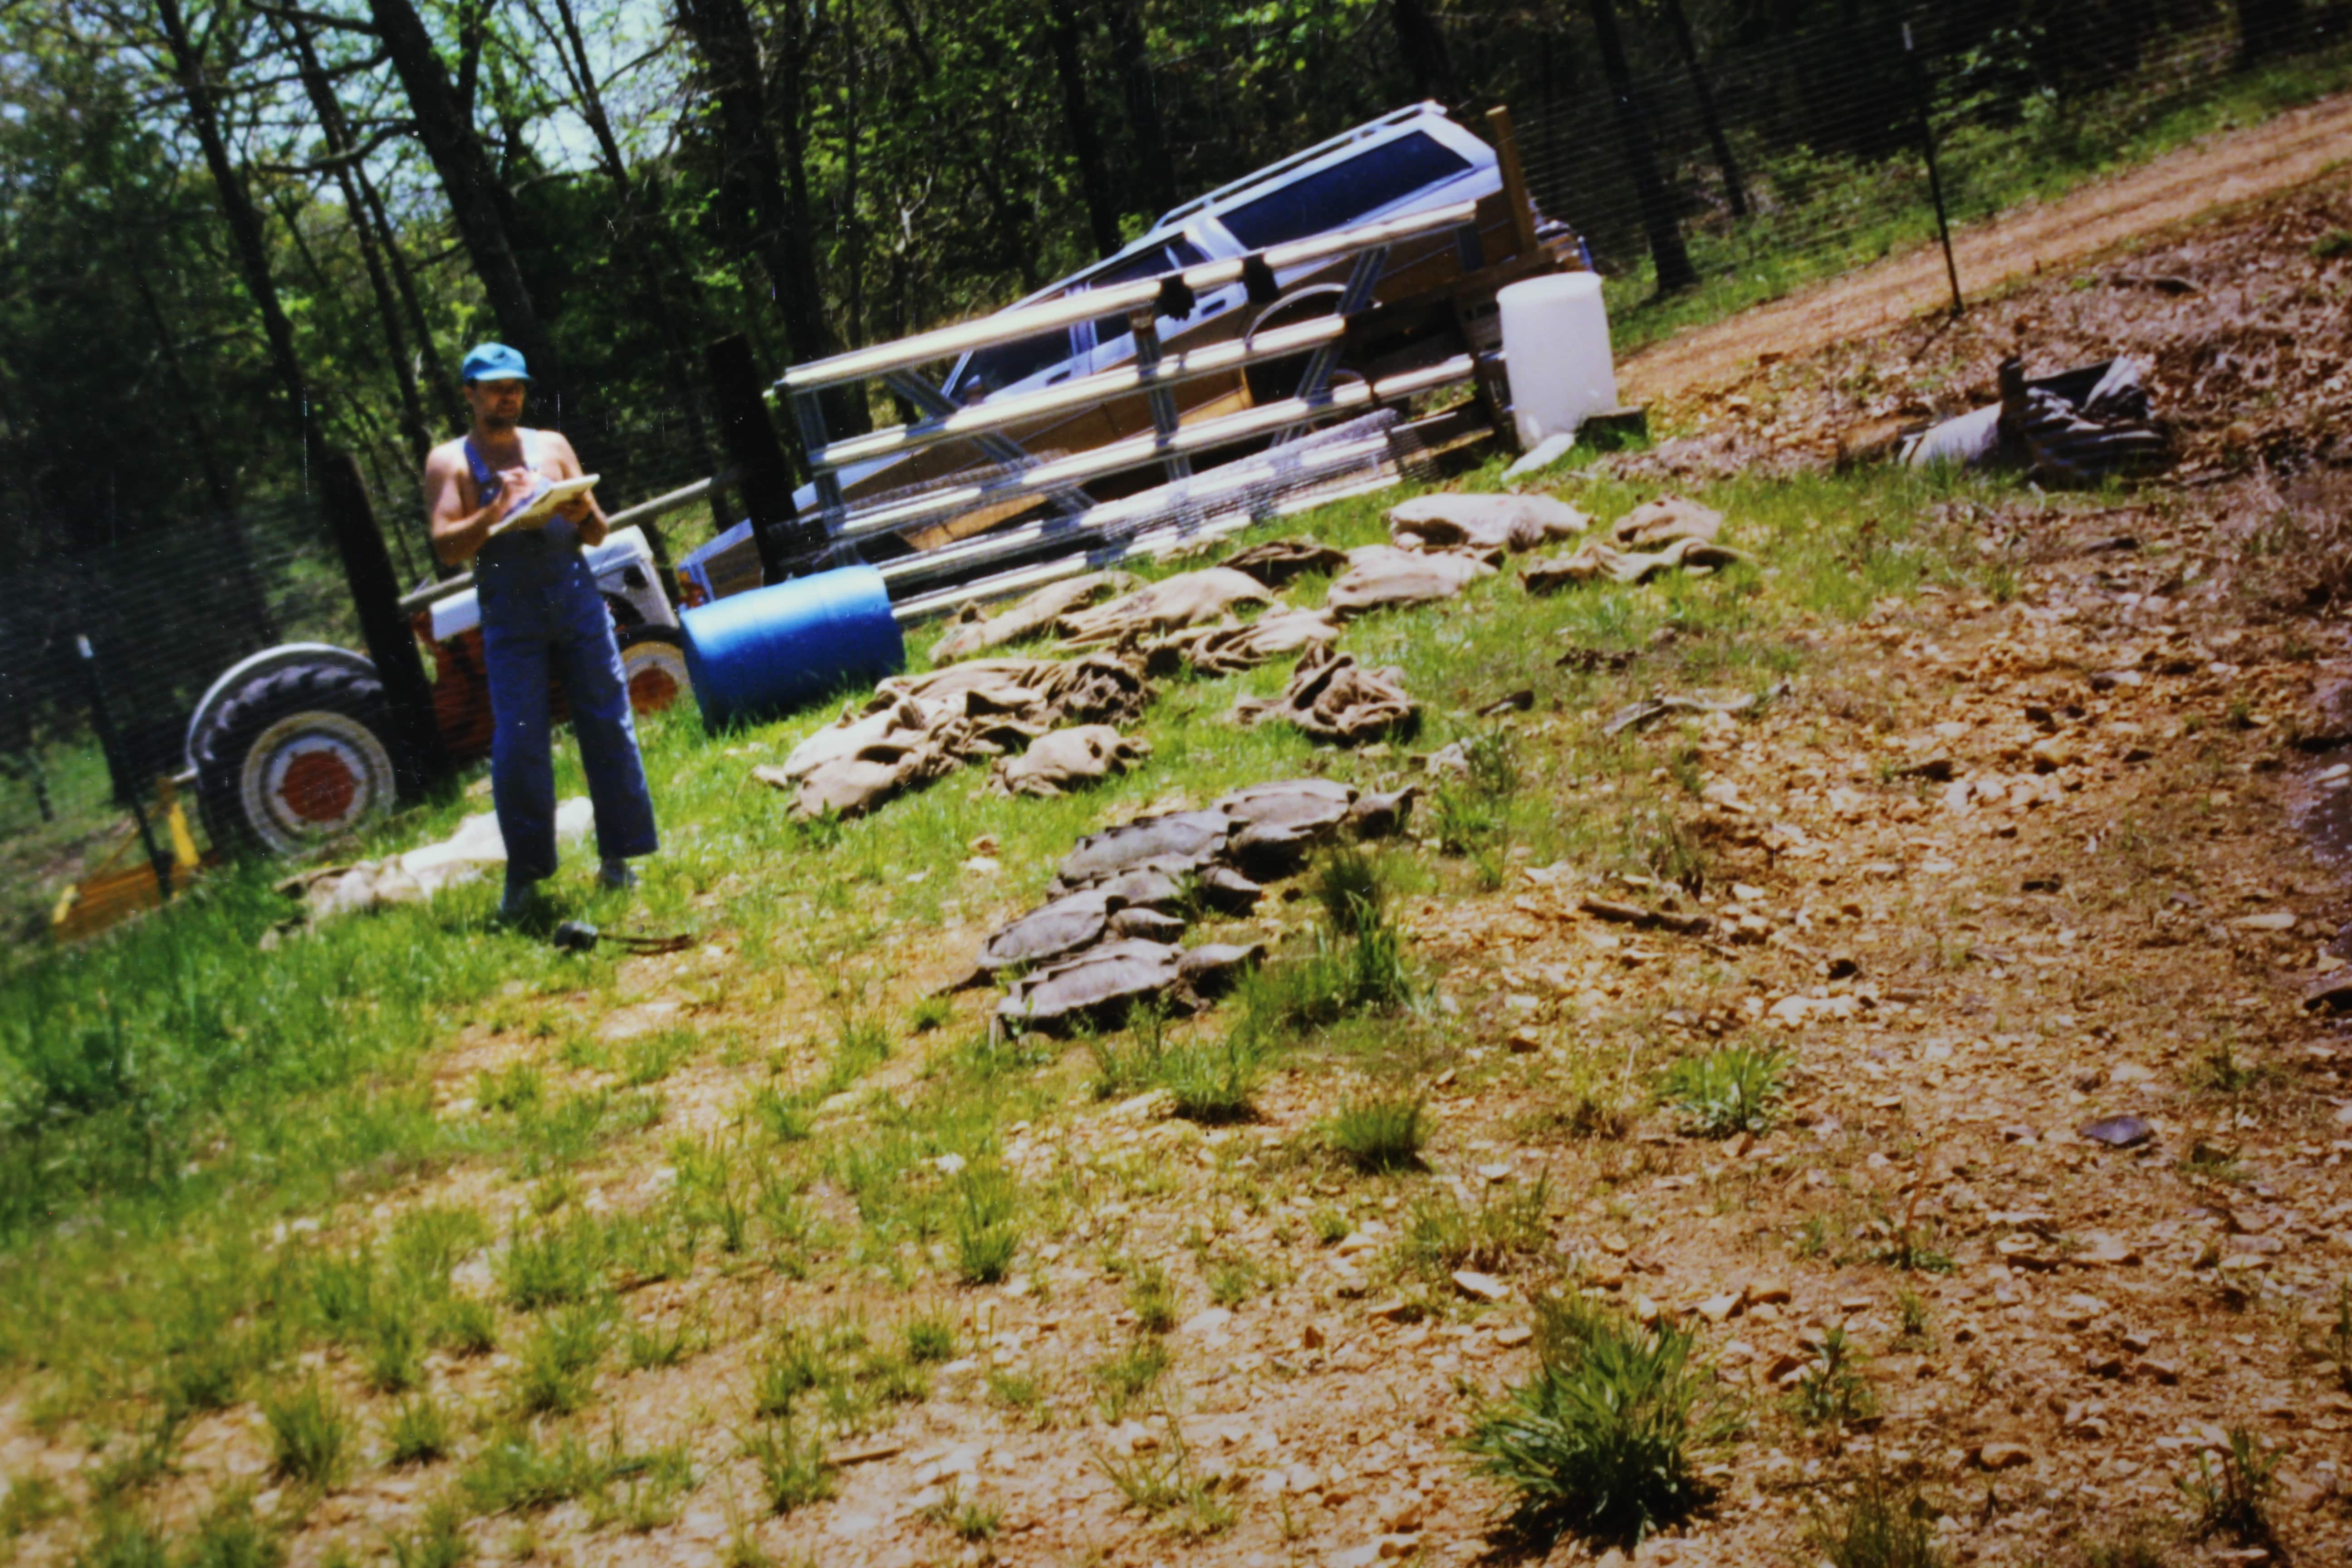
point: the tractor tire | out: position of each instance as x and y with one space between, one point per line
653 663
300 757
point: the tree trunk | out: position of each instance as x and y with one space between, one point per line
751 175
336 131
1078 122
477 203
1422 45
1142 94
1674 264
854 234
1733 189
237 207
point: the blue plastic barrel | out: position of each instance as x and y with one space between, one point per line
758 655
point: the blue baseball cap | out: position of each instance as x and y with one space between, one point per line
493 362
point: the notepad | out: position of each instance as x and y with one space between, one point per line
541 507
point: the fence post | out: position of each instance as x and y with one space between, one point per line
1515 183
119 767
390 644
762 479
1934 180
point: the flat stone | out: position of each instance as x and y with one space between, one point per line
1718 1309
1213 1320
1395 1309
2004 1456
2119 1131
1480 1286
1514 1336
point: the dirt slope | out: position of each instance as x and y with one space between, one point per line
2238 166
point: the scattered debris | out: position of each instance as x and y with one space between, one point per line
1519 701
1634 715
1596 561
420 874
1646 919
1186 600
1449 520
1277 562
919 729
1665 520
1229 646
1061 761
969 633
1384 577
1332 698
2076 428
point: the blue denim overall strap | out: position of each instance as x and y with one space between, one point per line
542 615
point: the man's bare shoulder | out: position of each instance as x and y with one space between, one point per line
449 455
560 445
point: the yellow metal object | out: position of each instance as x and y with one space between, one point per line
108 895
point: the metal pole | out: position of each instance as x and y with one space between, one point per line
1934 180
119 765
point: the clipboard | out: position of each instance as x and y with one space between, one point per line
542 505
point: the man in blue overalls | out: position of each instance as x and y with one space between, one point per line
540 608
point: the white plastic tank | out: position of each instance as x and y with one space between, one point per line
1555 346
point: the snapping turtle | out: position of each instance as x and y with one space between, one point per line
1047 932
1279 823
1383 815
1096 987
1211 968
1189 839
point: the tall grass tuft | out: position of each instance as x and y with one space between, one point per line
1735 1089
1379 1132
1881 1526
307 1431
1605 1438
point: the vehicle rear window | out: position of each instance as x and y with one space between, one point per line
995 368
1344 193
1174 257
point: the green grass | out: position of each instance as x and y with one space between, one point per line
419 1432
1881 1525
1735 1089
792 1471
309 1434
177 1094
1606 1439
1379 1132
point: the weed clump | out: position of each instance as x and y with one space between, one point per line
307 1433
2232 1497
792 1470
1733 1090
1356 961
418 1433
1881 1526
1605 1438
1379 1132
986 1235
1442 1234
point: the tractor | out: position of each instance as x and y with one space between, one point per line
292 747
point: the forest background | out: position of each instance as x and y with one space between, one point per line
237 234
